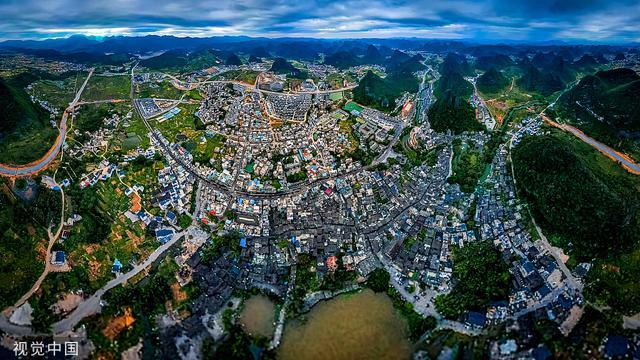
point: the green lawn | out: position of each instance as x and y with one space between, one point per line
107 87
245 76
162 90
58 93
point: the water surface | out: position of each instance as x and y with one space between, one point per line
257 316
357 326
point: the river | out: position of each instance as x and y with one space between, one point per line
363 325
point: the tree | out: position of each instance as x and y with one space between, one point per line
378 280
185 221
475 287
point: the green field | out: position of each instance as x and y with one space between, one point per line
59 93
245 76
107 88
182 123
335 96
162 90
350 106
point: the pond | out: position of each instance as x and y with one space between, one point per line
363 325
257 316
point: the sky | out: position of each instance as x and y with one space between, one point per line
602 21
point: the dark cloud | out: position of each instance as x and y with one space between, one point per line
572 20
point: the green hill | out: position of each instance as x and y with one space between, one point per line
606 107
496 61
282 66
612 94
17 109
177 59
25 133
533 80
342 59
381 93
455 63
233 59
589 205
451 112
373 56
453 83
596 215
586 63
492 82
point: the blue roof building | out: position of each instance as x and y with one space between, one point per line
117 265
616 346
164 235
243 243
476 319
58 258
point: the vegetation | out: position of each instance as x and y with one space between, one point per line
468 166
282 66
611 95
474 287
339 278
23 227
544 83
381 93
145 299
596 215
25 133
378 281
159 90
245 76
417 156
498 62
453 113
492 82
184 221
183 60
229 241
91 116
596 219
107 88
297 177
452 110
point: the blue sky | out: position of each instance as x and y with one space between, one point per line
540 20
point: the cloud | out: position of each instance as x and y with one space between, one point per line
585 20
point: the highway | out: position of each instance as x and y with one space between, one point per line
43 162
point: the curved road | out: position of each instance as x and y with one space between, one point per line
43 162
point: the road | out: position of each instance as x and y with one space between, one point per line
43 162
47 263
616 156
92 305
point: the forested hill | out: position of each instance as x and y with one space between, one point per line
16 108
452 111
596 215
492 81
612 94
